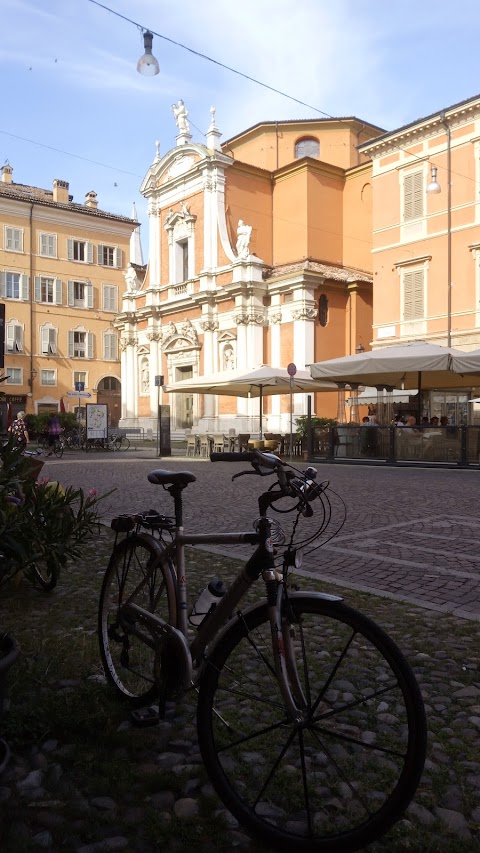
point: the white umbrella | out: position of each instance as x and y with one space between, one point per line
399 367
257 382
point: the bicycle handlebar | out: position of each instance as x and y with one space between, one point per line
268 460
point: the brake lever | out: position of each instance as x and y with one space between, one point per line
255 471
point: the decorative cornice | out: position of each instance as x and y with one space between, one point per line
241 319
276 317
155 336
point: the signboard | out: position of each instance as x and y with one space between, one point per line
292 369
79 386
164 446
78 394
97 420
159 381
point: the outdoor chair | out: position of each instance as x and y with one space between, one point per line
221 443
191 445
241 442
205 443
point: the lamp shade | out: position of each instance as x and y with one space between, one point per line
148 64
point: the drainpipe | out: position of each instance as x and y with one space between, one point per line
32 292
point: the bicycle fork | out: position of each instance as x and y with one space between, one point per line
284 655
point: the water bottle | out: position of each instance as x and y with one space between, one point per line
207 600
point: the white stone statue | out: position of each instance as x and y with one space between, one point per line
131 280
180 112
243 239
171 329
145 379
228 358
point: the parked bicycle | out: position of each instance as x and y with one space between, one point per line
118 441
56 449
310 722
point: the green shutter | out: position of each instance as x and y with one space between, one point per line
118 258
90 253
3 285
89 345
89 295
70 293
38 289
58 291
70 344
24 286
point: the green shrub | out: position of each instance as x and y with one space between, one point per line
40 522
302 421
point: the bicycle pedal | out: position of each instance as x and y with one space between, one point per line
145 717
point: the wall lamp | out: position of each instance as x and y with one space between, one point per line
148 64
360 348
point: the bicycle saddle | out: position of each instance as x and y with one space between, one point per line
161 477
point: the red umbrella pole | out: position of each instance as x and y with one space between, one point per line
62 405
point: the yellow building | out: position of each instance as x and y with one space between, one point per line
426 237
259 253
62 280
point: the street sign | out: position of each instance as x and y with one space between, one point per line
78 394
79 386
292 369
159 381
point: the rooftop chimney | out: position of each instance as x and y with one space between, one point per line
7 174
60 191
91 199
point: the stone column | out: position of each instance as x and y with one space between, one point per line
154 244
209 326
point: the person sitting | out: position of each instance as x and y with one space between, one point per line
368 437
434 422
411 425
19 430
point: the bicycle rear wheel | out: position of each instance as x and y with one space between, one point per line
127 660
125 443
338 777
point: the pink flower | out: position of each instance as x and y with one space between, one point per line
92 493
43 482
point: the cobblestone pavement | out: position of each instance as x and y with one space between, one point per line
410 533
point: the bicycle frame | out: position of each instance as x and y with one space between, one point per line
260 563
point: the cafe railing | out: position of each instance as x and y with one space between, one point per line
450 445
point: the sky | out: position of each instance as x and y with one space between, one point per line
75 108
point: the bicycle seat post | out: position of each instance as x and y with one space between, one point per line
176 492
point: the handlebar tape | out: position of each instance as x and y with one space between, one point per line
245 456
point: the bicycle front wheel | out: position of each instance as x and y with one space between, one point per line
127 660
343 772
58 449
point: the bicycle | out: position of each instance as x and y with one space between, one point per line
117 441
56 449
310 722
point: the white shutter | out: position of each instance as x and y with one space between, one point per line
24 286
10 338
52 341
45 340
70 293
100 257
118 258
70 249
18 331
418 301
89 294
3 285
70 344
114 298
90 253
9 238
58 291
43 244
38 289
89 345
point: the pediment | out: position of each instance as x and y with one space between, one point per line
175 163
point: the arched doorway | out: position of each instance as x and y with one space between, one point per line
109 391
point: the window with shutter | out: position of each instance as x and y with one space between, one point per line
49 340
11 288
14 376
110 346
110 297
13 239
413 196
48 245
413 295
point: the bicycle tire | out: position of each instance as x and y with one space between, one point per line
125 443
43 576
58 449
117 443
129 663
360 753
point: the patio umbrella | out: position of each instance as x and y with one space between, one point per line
9 415
414 365
261 381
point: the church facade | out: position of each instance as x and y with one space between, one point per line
259 253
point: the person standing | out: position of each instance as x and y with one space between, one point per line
19 429
54 430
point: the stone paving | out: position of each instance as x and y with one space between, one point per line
410 533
